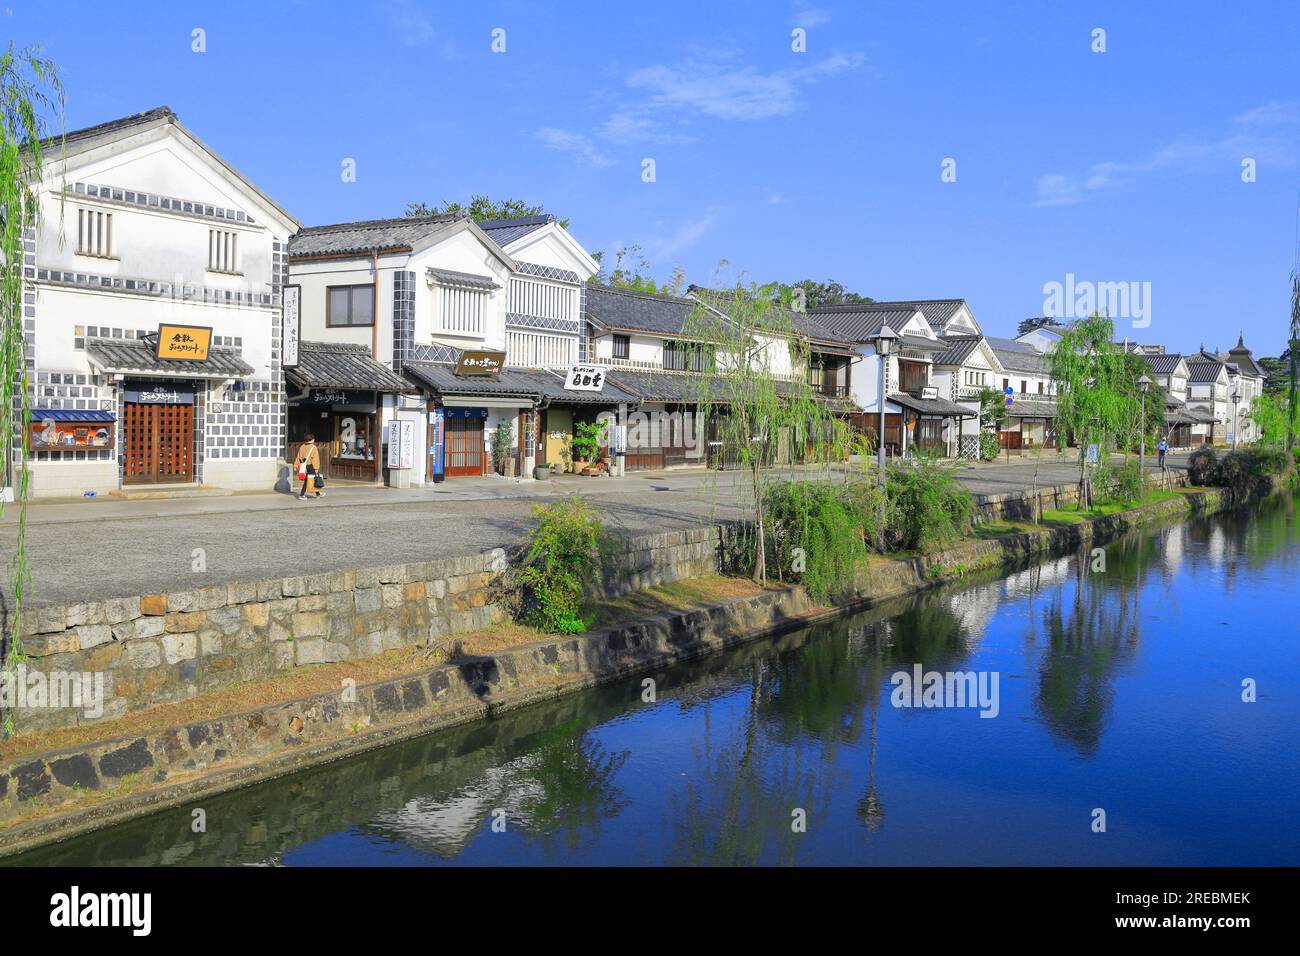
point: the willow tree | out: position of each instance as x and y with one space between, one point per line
1292 347
749 356
1096 399
29 91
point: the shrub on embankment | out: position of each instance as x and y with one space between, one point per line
1245 473
561 555
820 530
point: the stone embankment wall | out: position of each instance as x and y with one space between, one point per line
158 648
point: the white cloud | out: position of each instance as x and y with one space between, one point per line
810 17
663 250
580 146
731 93
1268 134
415 27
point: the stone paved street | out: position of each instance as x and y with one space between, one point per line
110 547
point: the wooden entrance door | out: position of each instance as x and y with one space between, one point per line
464 447
159 442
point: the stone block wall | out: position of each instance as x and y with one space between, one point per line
158 648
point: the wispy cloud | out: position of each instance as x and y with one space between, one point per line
1268 134
687 235
662 101
810 17
413 25
568 142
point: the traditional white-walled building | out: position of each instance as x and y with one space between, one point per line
143 227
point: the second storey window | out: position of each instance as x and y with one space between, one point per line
622 346
223 251
348 305
94 233
686 357
461 310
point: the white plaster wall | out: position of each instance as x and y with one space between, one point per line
72 479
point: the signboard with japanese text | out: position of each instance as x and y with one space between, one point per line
291 328
401 444
480 363
186 343
586 378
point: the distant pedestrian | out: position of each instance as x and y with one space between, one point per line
306 465
1162 448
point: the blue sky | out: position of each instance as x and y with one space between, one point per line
1122 166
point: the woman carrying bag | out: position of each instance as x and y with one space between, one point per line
306 465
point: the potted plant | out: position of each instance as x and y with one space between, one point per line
588 438
503 449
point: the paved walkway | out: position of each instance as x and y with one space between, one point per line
109 547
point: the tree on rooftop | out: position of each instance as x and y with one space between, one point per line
480 209
630 271
817 294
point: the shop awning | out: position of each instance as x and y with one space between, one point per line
339 365
932 406
441 380
666 387
72 415
1031 409
137 357
550 386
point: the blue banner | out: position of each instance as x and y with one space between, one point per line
436 443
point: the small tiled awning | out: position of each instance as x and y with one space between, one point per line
550 386
932 406
466 279
1030 409
136 356
72 415
338 365
660 386
441 380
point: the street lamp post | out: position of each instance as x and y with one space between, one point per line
1236 397
884 344
1143 384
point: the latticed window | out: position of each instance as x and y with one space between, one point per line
94 233
545 300
539 350
461 309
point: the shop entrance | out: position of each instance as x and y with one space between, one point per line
158 434
465 456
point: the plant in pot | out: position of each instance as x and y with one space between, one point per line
587 441
503 449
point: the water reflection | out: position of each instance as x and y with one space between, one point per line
1109 672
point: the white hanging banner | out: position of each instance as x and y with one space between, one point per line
291 325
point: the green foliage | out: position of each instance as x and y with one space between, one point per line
561 557
29 91
993 410
1118 484
815 294
588 440
1272 415
503 444
629 272
1246 471
988 445
480 209
928 507
818 531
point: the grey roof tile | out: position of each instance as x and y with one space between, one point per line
625 310
505 231
340 365
452 277
137 355
365 236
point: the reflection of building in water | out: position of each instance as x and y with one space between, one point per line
974 609
445 825
1172 548
1036 578
1217 548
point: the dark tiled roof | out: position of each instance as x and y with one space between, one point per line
338 365
1203 373
958 349
442 379
1022 360
789 321
112 126
365 236
1010 345
860 322
505 231
1163 364
137 355
659 386
932 406
551 387
622 309
452 277
1027 408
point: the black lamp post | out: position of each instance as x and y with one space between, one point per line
884 343
1144 383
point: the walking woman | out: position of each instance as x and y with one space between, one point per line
306 464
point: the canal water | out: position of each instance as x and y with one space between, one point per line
1119 693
